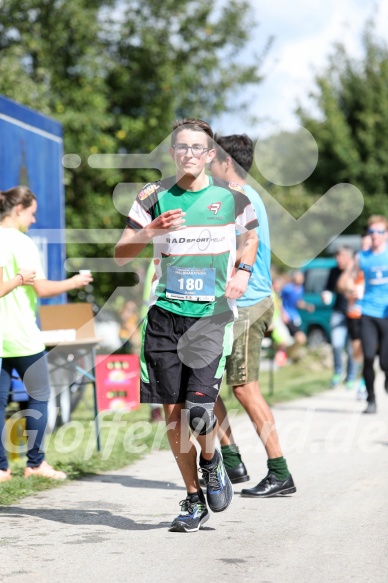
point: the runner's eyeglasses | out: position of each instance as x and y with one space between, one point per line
197 151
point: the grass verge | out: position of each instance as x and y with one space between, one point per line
125 437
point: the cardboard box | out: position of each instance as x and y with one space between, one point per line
67 323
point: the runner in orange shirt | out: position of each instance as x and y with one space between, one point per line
354 296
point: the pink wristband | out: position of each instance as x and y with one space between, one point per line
21 277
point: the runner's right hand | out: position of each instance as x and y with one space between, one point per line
172 220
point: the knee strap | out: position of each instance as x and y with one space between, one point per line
200 412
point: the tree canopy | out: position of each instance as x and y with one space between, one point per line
351 127
116 74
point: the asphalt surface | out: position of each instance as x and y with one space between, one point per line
114 527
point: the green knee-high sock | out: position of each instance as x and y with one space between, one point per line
231 456
278 467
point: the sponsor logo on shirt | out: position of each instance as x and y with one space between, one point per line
177 240
147 190
235 186
214 207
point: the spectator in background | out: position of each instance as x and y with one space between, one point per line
280 334
129 331
354 293
292 298
23 277
23 349
338 322
374 319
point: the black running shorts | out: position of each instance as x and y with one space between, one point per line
181 354
354 328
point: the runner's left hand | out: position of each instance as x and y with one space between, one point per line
237 285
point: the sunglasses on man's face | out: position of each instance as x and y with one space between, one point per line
376 231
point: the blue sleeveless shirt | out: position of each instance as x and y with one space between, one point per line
375 268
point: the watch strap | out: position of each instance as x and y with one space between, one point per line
246 267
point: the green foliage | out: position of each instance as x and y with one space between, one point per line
116 74
352 126
295 199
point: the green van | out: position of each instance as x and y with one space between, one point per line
316 325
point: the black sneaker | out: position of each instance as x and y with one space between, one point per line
219 491
386 384
269 487
196 514
370 408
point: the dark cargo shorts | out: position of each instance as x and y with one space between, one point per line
243 365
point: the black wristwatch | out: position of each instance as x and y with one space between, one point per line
246 267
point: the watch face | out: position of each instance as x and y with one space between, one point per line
246 267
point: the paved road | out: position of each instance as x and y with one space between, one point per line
113 528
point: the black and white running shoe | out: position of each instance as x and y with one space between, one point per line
196 514
219 491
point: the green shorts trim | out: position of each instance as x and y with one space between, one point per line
243 365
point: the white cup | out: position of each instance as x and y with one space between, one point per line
327 296
85 272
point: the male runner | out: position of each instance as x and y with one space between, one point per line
233 159
191 220
374 304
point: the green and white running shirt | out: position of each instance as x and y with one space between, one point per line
194 265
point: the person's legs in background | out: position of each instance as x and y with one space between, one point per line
34 373
33 370
369 340
283 342
338 340
156 413
354 332
351 366
383 348
5 384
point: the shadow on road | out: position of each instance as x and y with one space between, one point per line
82 517
130 482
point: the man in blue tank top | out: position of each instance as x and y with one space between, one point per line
374 320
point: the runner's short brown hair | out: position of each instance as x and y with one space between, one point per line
377 219
197 125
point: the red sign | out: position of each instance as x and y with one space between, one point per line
118 382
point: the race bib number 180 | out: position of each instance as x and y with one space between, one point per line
191 283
